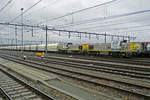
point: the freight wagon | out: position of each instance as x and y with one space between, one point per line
116 48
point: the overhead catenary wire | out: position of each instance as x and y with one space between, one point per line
25 11
122 28
5 5
67 31
114 24
109 2
106 18
127 27
37 10
95 20
139 30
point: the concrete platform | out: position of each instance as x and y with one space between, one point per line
52 81
78 92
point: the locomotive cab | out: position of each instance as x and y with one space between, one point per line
84 48
120 48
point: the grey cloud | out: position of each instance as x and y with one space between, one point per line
48 9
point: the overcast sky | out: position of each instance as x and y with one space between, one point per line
133 25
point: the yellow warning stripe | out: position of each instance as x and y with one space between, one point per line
101 50
73 49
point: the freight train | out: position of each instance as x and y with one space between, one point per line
115 48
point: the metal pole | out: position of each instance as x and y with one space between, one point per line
105 37
32 31
1 42
46 41
123 38
129 38
89 36
16 35
112 38
11 40
69 35
59 33
22 26
80 35
118 38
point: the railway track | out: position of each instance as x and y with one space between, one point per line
133 60
112 70
13 88
119 70
124 87
130 71
4 95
